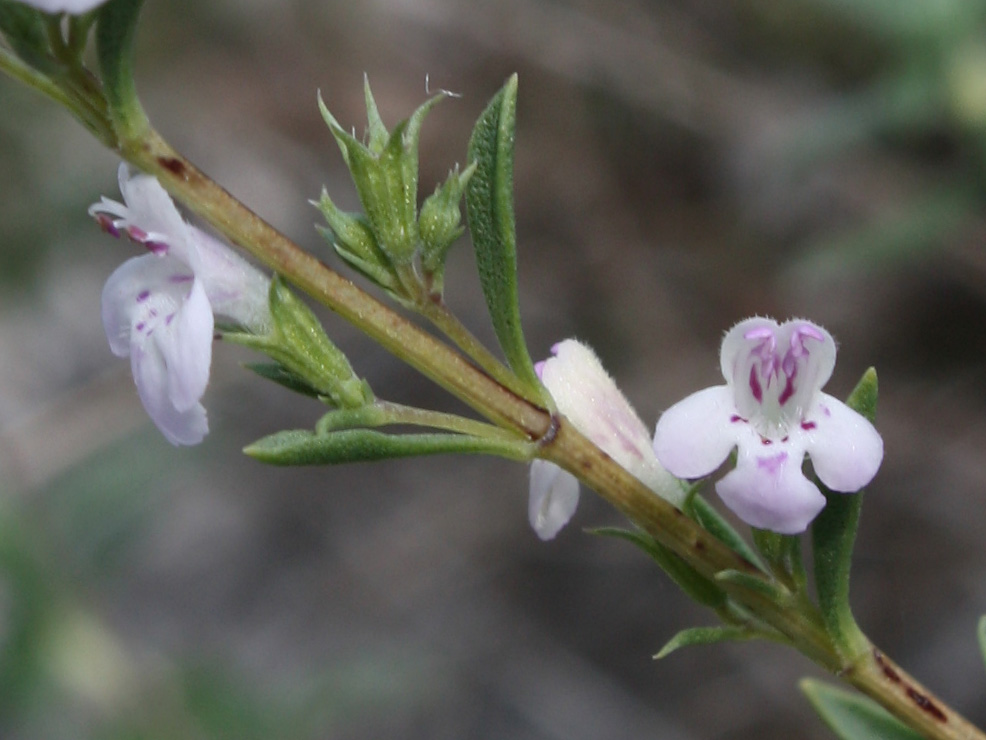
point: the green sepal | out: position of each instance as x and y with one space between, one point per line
490 211
712 522
352 238
771 590
386 176
24 29
279 374
783 553
116 30
376 132
705 636
304 447
981 636
693 583
852 716
833 536
298 342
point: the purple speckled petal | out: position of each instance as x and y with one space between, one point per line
768 490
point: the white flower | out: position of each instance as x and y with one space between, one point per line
590 400
76 7
771 409
158 308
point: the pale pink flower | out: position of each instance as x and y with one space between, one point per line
158 308
773 412
587 396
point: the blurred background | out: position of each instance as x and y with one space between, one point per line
681 164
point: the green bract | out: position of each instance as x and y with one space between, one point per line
298 343
385 172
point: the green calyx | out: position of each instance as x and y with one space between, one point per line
385 172
299 344
352 238
392 244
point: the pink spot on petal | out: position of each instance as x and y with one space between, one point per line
808 425
143 296
772 464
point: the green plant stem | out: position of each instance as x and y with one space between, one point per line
89 109
798 620
396 413
449 324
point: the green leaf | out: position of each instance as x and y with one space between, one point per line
304 447
783 552
705 636
24 30
773 591
115 33
693 583
276 372
490 211
833 536
701 511
853 716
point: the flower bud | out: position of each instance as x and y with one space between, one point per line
440 222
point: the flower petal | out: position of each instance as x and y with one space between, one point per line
150 208
187 349
554 498
768 490
64 6
150 370
588 397
236 289
129 290
696 435
845 449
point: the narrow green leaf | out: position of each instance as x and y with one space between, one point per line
783 552
701 511
853 716
304 447
490 211
981 634
773 591
693 583
833 536
705 636
24 30
115 33
276 372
